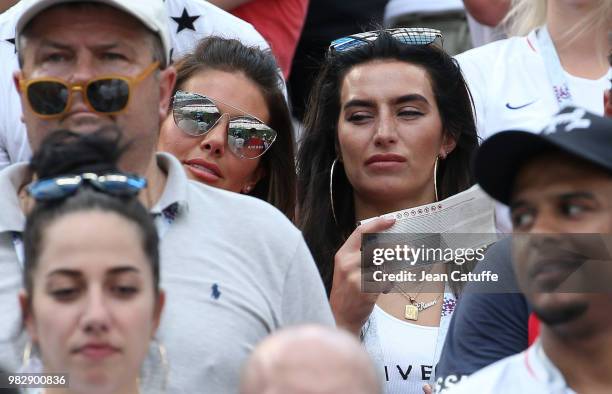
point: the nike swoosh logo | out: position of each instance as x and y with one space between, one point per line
519 106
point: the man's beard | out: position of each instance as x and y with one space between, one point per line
561 315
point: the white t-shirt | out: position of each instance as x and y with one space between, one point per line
527 372
401 7
211 20
408 352
511 90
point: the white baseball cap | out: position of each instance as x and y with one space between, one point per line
152 13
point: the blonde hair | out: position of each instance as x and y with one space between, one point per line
526 15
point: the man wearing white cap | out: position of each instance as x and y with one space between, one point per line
90 64
558 184
188 22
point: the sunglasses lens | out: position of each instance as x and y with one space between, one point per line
108 95
120 185
52 189
48 97
410 36
249 138
415 37
193 113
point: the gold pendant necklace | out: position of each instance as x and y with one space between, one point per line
413 309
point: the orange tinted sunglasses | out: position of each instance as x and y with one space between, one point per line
108 95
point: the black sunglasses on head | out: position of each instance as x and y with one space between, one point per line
109 95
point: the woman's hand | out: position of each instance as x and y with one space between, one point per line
352 307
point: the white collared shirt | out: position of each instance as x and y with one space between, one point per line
209 20
233 267
527 372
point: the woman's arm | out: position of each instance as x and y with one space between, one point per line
352 307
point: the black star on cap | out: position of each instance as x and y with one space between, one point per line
185 21
12 41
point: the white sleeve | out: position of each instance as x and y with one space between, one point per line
14 146
304 299
4 155
474 77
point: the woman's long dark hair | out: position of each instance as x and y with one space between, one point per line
215 53
318 149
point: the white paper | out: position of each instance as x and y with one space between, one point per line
469 212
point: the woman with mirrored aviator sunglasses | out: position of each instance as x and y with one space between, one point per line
229 123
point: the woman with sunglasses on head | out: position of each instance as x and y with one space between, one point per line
91 300
389 127
229 123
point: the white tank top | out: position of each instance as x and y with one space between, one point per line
407 350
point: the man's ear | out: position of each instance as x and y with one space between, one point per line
27 317
17 77
167 79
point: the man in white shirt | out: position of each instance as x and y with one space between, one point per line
559 186
233 267
188 21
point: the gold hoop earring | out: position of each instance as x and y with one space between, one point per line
31 362
155 369
163 356
435 176
331 190
27 354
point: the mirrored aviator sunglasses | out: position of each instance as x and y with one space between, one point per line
119 185
406 35
247 136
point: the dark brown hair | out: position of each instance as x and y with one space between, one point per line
319 144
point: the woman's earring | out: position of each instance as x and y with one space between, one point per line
331 190
441 156
435 176
155 369
31 362
27 353
163 356
247 189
